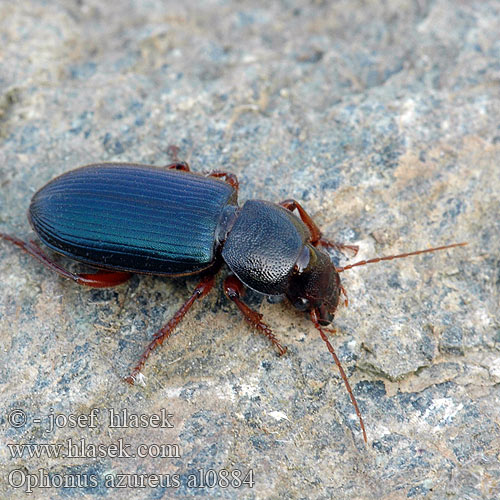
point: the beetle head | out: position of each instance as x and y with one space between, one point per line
315 284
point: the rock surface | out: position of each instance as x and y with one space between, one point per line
382 119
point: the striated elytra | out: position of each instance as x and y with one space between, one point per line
132 217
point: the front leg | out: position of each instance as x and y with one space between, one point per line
233 288
316 235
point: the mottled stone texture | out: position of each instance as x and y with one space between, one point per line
382 118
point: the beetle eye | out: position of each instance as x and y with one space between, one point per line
301 304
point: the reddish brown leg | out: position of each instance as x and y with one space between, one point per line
231 179
314 319
333 331
204 286
306 219
176 164
316 238
341 247
344 293
99 279
234 290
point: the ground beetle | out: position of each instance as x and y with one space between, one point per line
125 218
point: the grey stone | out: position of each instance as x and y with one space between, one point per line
382 119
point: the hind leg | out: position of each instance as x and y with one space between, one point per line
99 279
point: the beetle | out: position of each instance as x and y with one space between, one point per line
125 218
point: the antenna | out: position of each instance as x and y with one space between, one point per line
399 256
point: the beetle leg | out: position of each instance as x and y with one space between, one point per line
338 246
231 179
178 165
233 288
204 286
99 279
316 236
344 293
306 219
